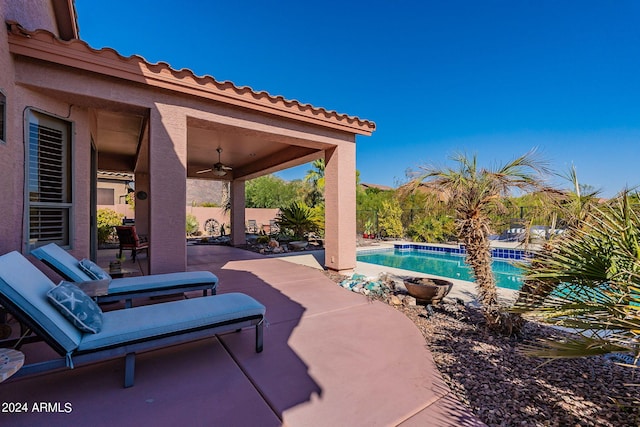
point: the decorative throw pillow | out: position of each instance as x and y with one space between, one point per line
93 270
76 306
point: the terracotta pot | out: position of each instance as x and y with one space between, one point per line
427 290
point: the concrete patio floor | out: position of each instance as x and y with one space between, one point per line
331 358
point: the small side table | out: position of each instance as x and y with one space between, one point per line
10 362
124 272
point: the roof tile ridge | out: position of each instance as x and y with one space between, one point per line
17 29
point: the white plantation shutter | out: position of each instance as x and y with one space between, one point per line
49 180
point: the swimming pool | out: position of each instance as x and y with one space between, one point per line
442 264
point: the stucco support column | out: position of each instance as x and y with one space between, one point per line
167 190
340 208
142 206
238 236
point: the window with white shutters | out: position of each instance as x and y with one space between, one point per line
48 180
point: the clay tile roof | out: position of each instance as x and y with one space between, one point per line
45 45
376 186
115 175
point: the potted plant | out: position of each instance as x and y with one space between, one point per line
116 266
368 230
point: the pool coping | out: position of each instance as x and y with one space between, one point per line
497 252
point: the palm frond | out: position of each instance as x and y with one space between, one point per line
590 281
570 348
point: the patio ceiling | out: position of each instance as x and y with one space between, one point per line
249 153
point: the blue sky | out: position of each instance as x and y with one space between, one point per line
495 78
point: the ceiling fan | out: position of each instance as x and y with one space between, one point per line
218 169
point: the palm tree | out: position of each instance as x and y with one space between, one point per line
574 207
589 281
315 176
473 192
575 204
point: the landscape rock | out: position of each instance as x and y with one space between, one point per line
409 301
489 374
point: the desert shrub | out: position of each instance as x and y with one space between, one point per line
192 225
298 218
263 239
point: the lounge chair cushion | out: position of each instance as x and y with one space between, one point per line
151 321
93 270
175 281
76 306
27 286
68 267
61 261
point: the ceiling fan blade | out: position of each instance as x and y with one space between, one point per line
220 167
205 171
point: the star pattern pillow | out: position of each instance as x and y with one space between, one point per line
93 270
76 306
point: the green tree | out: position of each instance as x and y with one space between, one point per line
106 220
424 215
368 206
270 191
473 192
390 219
433 228
315 177
318 214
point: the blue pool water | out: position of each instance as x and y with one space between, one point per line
443 264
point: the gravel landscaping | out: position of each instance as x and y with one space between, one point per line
505 388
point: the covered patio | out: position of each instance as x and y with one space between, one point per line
167 125
331 358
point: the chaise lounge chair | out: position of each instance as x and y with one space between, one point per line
127 288
26 293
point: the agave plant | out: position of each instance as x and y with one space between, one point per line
299 219
589 281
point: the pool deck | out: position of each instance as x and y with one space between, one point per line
331 357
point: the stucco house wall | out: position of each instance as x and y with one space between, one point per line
32 14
